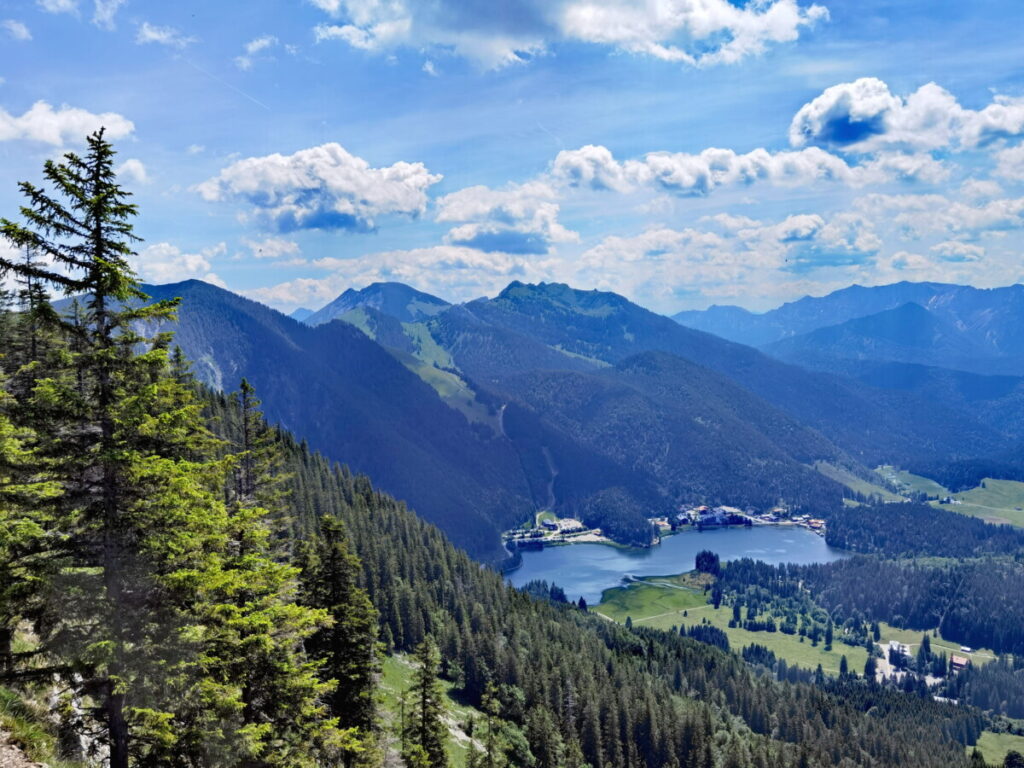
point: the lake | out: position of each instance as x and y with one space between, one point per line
588 569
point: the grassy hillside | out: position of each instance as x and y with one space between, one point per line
854 483
396 679
660 602
995 501
939 644
908 482
994 746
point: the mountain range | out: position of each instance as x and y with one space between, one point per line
550 397
946 326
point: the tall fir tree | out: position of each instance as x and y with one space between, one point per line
348 648
164 610
425 730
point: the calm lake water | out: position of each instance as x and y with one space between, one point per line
588 569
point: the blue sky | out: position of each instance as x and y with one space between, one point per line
682 152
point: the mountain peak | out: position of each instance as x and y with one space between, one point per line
397 300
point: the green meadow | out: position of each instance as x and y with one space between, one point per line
661 602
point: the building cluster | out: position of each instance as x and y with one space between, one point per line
704 516
563 525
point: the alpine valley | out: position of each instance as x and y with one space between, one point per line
583 403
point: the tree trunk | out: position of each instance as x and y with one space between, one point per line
6 638
117 728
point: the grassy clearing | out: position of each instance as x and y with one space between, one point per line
994 746
911 483
396 678
995 501
854 483
28 729
660 602
912 638
648 601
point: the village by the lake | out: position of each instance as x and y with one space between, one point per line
547 529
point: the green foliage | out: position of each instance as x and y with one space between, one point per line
347 647
147 578
424 732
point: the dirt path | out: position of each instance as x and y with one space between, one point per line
11 756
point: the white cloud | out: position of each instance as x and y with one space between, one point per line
169 36
453 272
919 166
105 11
520 218
57 127
1010 163
954 250
977 189
918 216
652 27
685 174
16 29
58 6
429 68
865 116
134 170
167 263
696 32
195 149
272 247
323 187
590 166
252 50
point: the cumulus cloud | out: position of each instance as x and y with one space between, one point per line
252 50
694 32
167 263
58 6
455 272
976 189
42 123
16 30
691 175
521 218
742 250
169 36
865 116
918 216
133 170
730 32
272 247
1010 163
919 166
322 187
954 250
105 11
590 166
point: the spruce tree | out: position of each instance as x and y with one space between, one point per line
24 484
347 649
425 730
163 609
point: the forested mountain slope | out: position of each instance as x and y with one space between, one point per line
869 424
517 440
348 397
581 689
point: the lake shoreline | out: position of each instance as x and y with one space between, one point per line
588 569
